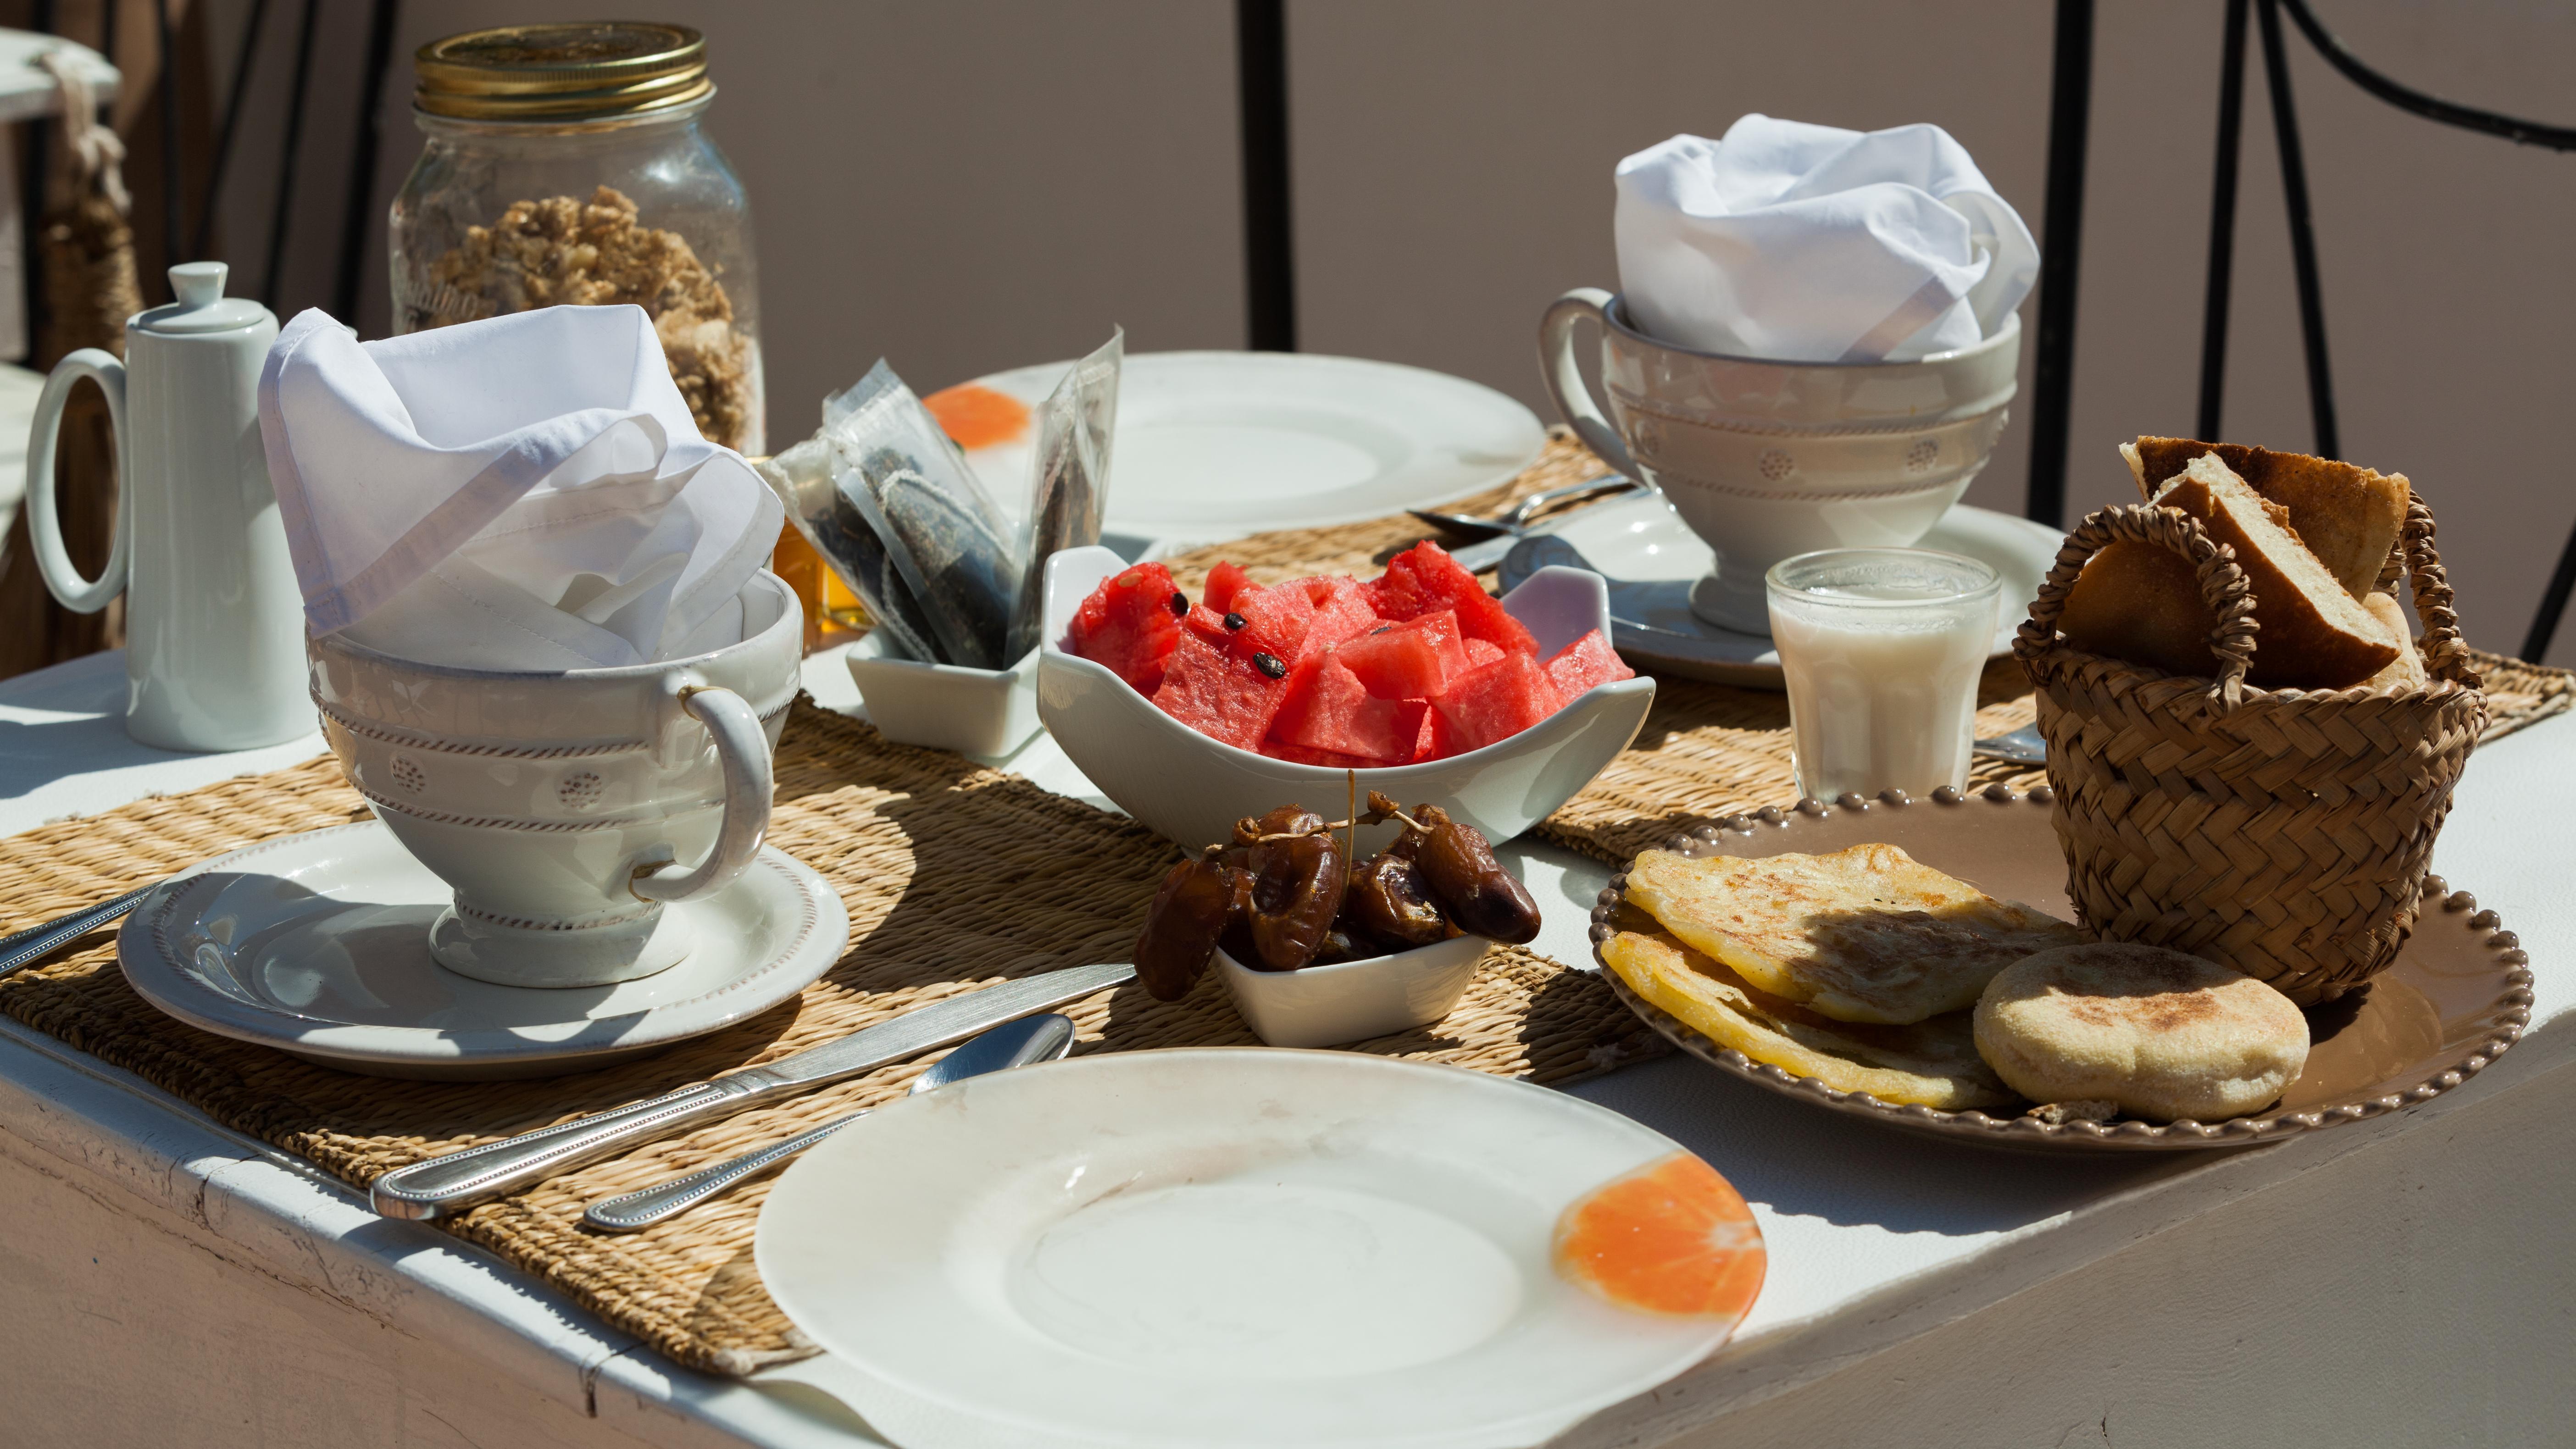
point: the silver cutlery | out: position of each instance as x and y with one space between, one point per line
1528 508
1021 1043
2022 747
20 948
444 1186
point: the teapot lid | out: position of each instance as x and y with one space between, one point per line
202 305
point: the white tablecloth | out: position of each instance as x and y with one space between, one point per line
2397 1282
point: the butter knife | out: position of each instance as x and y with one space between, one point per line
445 1186
21 948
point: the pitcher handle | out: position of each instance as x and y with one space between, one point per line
1565 381
742 750
44 520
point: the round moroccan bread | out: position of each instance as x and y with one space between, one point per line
2165 1035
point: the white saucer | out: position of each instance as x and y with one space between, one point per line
1216 445
1651 559
1221 1247
318 945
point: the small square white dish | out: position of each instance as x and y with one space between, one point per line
944 706
1348 1001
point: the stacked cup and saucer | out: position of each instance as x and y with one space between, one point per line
545 652
1816 348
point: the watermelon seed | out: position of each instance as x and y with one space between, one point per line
1233 620
1268 663
1382 628
1180 603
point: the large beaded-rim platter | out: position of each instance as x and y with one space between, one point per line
2458 995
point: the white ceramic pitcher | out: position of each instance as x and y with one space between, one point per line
214 623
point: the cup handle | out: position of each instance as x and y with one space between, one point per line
1565 381
44 521
742 749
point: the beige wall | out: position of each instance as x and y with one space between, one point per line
969 185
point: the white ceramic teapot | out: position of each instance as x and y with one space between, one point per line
214 622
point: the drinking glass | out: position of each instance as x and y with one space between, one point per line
1882 648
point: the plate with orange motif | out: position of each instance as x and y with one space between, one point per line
1234 1246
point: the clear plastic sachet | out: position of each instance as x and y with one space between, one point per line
890 503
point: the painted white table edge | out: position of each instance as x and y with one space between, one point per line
307 1227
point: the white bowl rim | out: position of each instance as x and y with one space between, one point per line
1311 970
792 617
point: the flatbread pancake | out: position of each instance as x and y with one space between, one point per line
1867 934
1931 1064
2162 1034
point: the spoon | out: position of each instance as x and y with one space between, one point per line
1528 509
1013 1044
2022 747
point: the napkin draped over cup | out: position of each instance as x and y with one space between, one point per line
523 493
1804 243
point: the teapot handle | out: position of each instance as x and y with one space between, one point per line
44 521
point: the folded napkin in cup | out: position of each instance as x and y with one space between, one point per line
525 492
1805 243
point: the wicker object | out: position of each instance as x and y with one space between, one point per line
2284 833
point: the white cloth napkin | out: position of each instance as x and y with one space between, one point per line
1816 244
526 492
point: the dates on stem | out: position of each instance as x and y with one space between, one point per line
1458 864
1194 906
1391 903
1298 876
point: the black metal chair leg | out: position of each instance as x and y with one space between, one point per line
2070 110
1270 277
234 96
294 143
2222 226
2303 237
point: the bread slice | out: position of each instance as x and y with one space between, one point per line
2348 516
2406 671
2143 604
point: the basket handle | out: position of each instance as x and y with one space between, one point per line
2222 586
2446 654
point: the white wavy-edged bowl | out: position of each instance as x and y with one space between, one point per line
1192 788
1348 1001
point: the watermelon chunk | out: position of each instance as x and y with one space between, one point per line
1424 579
1327 708
1418 724
1342 611
1128 625
1481 652
1223 583
1275 622
1219 693
1412 660
1494 703
1208 624
1584 663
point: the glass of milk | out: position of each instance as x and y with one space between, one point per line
1882 648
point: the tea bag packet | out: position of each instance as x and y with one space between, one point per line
1806 243
1068 480
527 493
945 539
802 479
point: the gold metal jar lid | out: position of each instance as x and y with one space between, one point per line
575 71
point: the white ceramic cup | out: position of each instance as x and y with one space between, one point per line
1768 459
560 805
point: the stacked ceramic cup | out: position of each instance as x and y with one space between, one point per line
1815 347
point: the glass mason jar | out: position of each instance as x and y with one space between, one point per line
566 164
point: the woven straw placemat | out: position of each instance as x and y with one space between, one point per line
1711 750
954 875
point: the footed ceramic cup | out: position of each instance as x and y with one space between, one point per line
569 808
1765 460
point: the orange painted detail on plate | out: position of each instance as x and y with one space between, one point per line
978 417
1672 1237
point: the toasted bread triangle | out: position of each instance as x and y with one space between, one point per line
2348 516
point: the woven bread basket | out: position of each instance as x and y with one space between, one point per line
2284 833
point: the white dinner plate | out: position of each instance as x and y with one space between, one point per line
1651 559
318 944
1226 1247
1215 445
